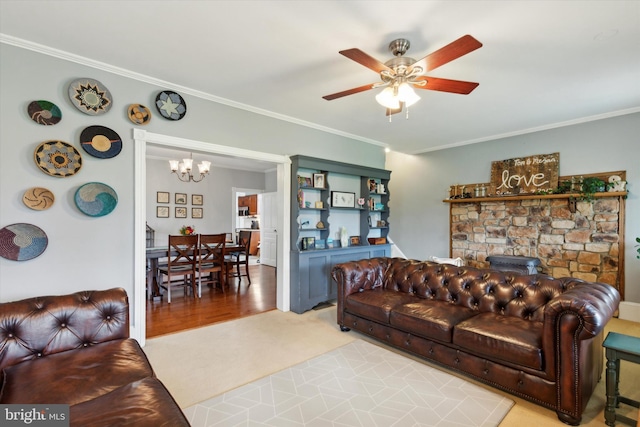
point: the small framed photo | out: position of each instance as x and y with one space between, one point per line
181 212
341 199
318 180
321 244
308 243
162 211
196 213
162 197
354 241
181 199
196 199
319 204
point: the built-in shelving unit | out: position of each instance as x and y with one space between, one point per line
316 223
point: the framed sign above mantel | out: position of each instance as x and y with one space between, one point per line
524 175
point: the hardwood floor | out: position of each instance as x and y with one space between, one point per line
186 312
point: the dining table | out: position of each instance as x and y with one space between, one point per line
155 253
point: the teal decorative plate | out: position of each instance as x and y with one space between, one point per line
96 199
22 242
44 112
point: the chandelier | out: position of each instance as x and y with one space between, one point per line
183 169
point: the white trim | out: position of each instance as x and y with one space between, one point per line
630 311
141 138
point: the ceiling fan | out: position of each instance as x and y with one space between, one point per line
402 73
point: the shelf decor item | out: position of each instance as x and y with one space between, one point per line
44 112
341 199
57 158
90 96
22 242
96 199
318 180
100 142
38 198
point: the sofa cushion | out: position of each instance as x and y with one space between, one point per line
500 337
142 403
76 376
376 304
429 318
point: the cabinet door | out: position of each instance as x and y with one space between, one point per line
252 203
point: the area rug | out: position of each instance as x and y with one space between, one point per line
359 384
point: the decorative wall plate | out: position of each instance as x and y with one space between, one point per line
38 198
171 105
139 114
96 199
44 112
90 96
22 242
101 142
57 158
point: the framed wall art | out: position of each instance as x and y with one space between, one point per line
318 180
196 213
162 197
196 199
181 199
181 212
341 199
354 241
162 211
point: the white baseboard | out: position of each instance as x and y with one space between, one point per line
630 311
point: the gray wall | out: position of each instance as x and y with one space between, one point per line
97 253
420 220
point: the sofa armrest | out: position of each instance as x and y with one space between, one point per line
36 327
592 303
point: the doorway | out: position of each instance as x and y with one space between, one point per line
141 138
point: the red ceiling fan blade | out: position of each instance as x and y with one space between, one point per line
349 91
453 50
391 111
363 59
446 85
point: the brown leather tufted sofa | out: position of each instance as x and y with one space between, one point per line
534 336
75 349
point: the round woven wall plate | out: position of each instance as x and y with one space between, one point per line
101 142
139 114
44 112
171 105
22 242
38 198
90 96
96 199
57 158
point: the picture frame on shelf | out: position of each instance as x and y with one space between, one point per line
196 213
196 199
181 199
321 244
162 211
162 197
342 199
181 212
373 185
354 241
308 243
319 204
319 180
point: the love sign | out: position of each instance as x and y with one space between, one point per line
525 174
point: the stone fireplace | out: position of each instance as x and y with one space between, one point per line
571 238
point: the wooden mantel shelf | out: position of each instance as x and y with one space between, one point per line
533 196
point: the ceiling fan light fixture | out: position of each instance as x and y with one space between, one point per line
407 95
387 98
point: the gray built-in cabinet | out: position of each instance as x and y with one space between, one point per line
327 196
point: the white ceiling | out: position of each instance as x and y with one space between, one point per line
543 63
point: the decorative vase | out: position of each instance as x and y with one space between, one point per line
344 238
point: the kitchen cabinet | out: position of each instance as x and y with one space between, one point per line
250 202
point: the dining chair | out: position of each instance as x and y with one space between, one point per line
182 260
211 259
239 258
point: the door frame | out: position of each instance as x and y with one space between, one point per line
141 139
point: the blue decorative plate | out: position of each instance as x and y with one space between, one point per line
90 96
96 199
44 112
101 142
22 242
57 158
171 105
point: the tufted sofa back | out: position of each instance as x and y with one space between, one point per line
37 327
485 290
